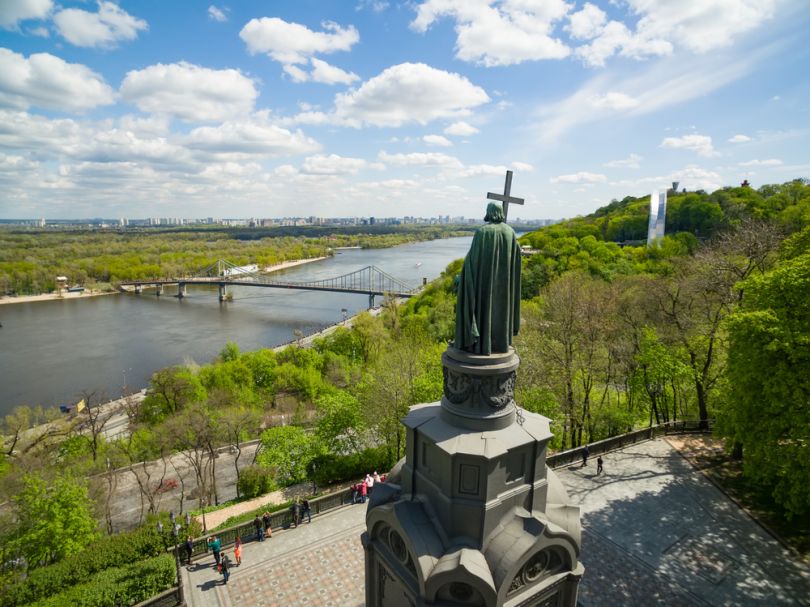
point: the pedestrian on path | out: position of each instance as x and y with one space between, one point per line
215 545
257 524
225 568
189 549
599 465
363 492
585 453
296 512
369 483
237 550
305 509
355 493
268 527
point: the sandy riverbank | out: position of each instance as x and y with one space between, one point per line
52 296
58 296
290 264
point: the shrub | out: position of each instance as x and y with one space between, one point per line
255 481
118 585
328 469
110 551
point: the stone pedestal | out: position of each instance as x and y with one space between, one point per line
472 515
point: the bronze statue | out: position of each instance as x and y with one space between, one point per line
488 306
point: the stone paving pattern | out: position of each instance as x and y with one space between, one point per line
656 532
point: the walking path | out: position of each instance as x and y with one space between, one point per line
656 532
317 564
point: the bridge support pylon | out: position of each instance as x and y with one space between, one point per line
138 289
158 290
223 291
181 290
370 300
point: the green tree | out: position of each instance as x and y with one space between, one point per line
54 519
768 408
287 450
341 424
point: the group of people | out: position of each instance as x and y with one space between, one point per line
263 526
298 509
362 490
599 461
222 562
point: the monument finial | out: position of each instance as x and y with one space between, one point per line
506 198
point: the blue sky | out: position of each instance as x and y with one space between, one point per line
382 108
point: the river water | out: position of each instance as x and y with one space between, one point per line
52 351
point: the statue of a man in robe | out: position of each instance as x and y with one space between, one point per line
488 307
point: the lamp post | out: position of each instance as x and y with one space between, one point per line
175 530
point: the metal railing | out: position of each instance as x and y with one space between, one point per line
566 458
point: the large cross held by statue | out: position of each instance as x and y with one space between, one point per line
505 198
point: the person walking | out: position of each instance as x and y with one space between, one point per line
237 550
369 483
216 546
268 527
585 453
305 509
599 465
296 512
189 544
376 478
225 568
257 524
363 492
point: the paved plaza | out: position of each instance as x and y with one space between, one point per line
656 532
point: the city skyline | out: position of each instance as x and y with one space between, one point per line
392 109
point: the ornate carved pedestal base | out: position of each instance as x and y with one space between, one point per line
473 516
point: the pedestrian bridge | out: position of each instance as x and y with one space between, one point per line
369 281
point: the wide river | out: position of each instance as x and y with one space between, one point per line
52 351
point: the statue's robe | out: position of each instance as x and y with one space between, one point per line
488 306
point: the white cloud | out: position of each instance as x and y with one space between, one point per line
409 92
14 11
614 101
510 32
580 177
460 129
190 92
770 162
217 14
522 166
683 78
696 25
699 25
631 162
46 81
477 170
437 140
586 23
329 74
702 144
420 159
296 73
739 139
691 178
250 137
376 6
290 43
332 165
108 26
614 38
